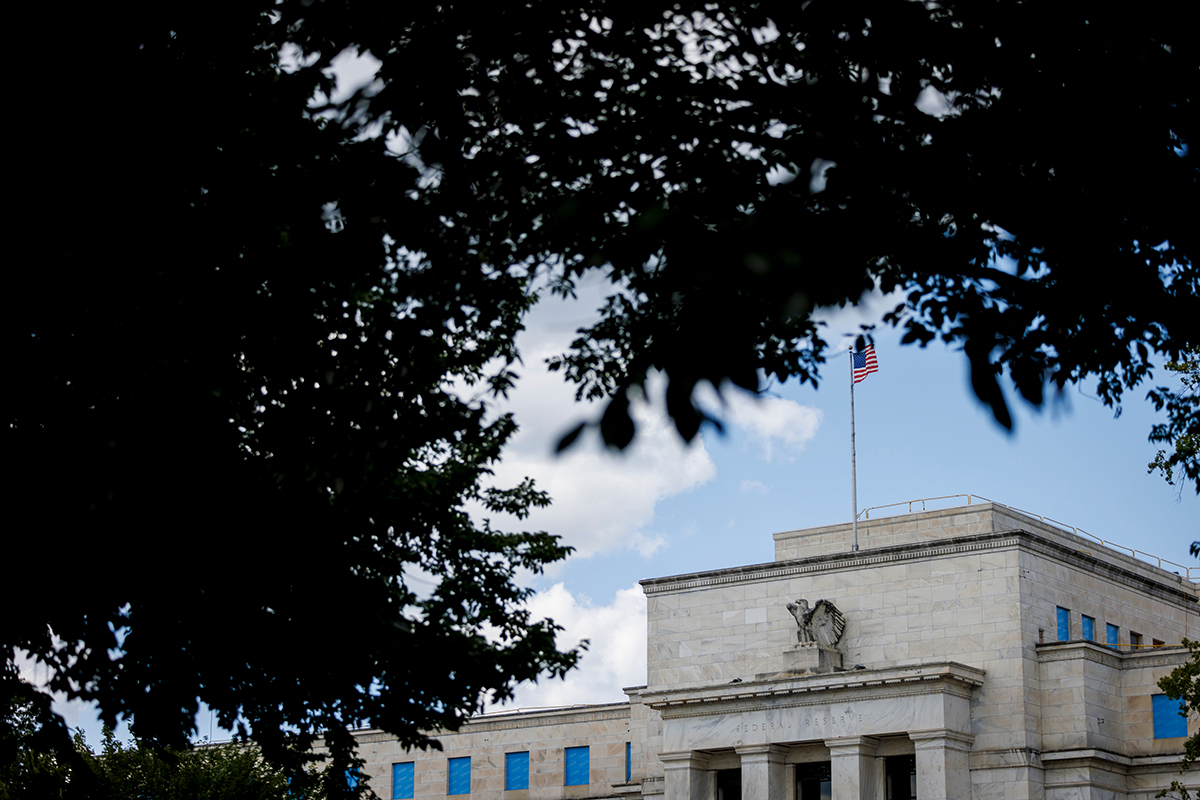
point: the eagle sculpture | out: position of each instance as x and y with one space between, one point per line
822 624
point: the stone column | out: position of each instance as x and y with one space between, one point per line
686 776
764 775
852 764
943 764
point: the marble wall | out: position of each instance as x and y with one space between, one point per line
486 740
964 605
977 585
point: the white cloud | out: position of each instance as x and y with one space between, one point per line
616 654
603 501
754 487
776 424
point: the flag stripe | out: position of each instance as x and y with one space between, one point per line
864 363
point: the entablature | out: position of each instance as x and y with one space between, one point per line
799 690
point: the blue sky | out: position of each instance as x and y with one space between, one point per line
920 434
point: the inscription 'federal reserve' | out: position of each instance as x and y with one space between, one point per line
848 718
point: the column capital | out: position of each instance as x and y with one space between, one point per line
761 752
685 776
852 745
943 763
764 773
685 758
942 737
852 767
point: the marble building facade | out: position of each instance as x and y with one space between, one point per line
985 654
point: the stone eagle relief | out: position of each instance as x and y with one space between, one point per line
822 625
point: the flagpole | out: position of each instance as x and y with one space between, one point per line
853 466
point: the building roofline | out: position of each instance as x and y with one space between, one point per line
1144 577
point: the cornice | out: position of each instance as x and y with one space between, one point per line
795 692
917 551
1048 652
1105 759
1084 560
1059 758
829 563
533 718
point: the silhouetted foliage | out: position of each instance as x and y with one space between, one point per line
1182 429
916 143
254 335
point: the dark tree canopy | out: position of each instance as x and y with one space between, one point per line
638 138
254 336
241 437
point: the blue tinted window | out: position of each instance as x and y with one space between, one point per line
1169 721
402 781
516 771
1089 628
1110 635
577 766
460 776
628 761
1064 624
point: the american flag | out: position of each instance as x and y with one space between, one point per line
864 363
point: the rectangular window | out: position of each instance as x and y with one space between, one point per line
814 781
1089 628
1064 624
729 784
1135 640
402 781
1110 635
628 761
459 781
516 771
578 766
901 775
1169 721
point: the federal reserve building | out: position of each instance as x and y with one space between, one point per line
968 653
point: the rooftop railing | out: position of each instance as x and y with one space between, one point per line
1190 573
